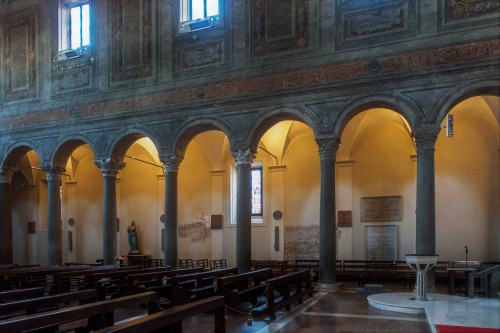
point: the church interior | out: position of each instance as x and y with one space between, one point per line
310 147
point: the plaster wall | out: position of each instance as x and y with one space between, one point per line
467 185
138 202
89 212
383 167
194 198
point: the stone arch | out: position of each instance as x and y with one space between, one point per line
407 108
190 129
455 96
15 152
66 145
122 142
268 119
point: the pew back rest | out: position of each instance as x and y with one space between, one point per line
74 313
32 304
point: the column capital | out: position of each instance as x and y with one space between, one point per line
6 176
171 163
109 166
53 172
328 148
426 136
243 156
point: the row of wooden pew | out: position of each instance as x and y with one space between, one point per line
169 295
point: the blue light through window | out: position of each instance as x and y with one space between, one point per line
79 23
200 9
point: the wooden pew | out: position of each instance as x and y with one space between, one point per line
171 320
156 281
114 284
192 287
74 280
44 303
245 287
99 314
291 287
17 294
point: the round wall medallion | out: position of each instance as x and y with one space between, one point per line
162 218
277 215
71 221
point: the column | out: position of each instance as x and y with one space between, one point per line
54 225
425 139
6 252
109 169
327 226
170 236
244 160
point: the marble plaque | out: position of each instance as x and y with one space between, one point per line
376 21
381 242
381 209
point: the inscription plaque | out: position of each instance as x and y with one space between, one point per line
381 209
376 21
381 242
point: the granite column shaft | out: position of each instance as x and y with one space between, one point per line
327 222
171 210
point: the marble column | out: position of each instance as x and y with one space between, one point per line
244 159
54 223
170 232
425 139
6 252
327 224
109 169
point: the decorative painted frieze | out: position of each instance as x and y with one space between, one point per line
420 60
458 10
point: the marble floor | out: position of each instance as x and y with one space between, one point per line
333 311
343 311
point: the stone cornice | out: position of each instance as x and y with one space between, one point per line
296 79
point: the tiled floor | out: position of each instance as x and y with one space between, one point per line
344 311
326 311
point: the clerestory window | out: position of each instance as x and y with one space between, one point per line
199 15
74 26
199 9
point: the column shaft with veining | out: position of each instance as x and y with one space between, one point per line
170 234
109 169
244 159
54 223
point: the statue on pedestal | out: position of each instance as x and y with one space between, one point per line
132 239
